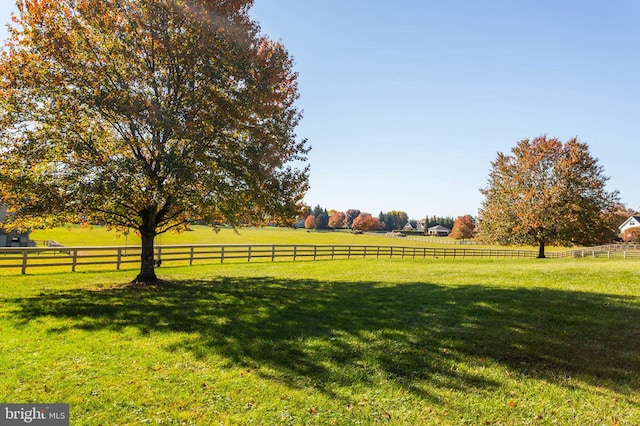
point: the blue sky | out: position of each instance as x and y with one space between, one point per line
406 104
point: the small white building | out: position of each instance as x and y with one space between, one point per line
632 222
438 231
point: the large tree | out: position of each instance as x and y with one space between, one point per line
545 192
146 114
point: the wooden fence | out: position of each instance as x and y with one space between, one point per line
121 256
436 240
604 253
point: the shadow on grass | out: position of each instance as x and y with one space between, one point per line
324 334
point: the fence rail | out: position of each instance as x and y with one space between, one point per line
437 240
618 247
24 258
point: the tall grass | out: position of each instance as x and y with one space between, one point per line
332 342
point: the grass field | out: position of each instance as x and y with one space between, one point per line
500 342
97 235
75 235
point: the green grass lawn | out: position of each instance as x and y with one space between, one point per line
498 342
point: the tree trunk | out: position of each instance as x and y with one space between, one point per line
147 273
541 250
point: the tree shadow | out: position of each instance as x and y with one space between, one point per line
308 332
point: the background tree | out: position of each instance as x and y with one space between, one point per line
463 228
351 215
383 220
365 222
394 220
337 220
546 192
318 210
310 222
322 221
147 114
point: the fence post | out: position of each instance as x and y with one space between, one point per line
191 255
349 253
333 251
273 252
221 254
248 253
75 260
119 258
295 252
315 252
364 255
391 253
24 262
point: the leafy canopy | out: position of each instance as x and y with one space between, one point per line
147 114
545 192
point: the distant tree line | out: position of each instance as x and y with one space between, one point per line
320 218
462 227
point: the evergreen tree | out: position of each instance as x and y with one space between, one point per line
322 221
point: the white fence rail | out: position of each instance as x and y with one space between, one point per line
121 256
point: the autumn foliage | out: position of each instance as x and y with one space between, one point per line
545 192
310 222
350 216
365 222
632 235
463 228
337 220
